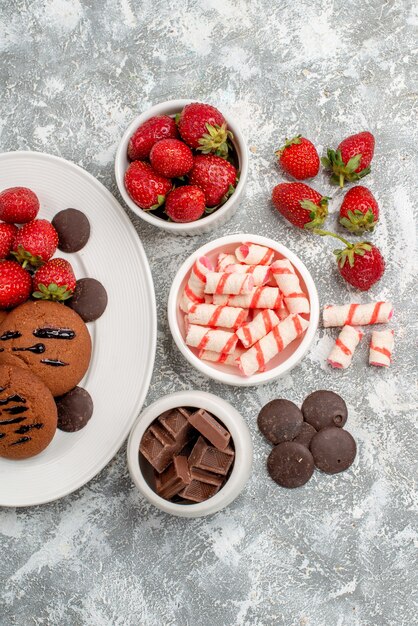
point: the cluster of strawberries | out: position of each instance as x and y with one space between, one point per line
182 164
360 264
32 270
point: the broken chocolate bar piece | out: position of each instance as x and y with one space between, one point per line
174 478
209 458
174 420
203 485
210 428
164 439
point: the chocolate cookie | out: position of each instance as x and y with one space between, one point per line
322 409
75 409
73 230
28 415
89 299
280 420
333 450
290 464
305 435
50 339
3 315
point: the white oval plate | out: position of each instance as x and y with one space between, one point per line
124 338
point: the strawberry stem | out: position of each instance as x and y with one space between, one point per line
324 233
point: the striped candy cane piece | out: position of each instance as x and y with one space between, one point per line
223 283
288 283
260 273
225 260
283 312
259 298
256 358
252 254
219 357
213 315
381 348
215 340
260 326
343 350
357 314
194 290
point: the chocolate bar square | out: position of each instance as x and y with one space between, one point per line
207 457
203 485
210 428
174 478
159 445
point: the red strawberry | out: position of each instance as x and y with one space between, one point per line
215 176
171 158
185 204
300 204
352 158
35 243
146 188
54 281
7 235
151 131
204 128
299 158
359 210
360 264
15 284
18 205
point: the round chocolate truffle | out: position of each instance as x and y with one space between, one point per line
75 409
280 420
73 229
322 409
305 435
333 450
290 464
89 299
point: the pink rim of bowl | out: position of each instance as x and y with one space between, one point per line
207 223
283 362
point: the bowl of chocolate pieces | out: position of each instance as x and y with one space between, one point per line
190 453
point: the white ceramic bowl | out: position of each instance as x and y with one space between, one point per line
240 434
283 362
207 223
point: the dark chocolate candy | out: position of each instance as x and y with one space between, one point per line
280 420
89 299
173 479
160 444
290 464
203 485
75 409
323 408
73 229
333 450
210 428
207 457
305 435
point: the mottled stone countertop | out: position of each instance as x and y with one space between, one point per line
342 551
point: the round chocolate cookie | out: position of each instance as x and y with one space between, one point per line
333 450
305 435
49 339
89 299
3 315
28 415
322 409
75 409
290 464
73 230
280 420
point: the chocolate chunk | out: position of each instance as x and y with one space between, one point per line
280 420
305 435
73 230
290 464
75 409
322 409
207 457
173 479
89 299
203 485
159 445
333 450
210 428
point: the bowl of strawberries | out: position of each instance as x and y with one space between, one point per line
182 166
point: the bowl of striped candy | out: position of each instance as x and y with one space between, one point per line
243 309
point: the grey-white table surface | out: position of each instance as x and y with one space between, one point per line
342 550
